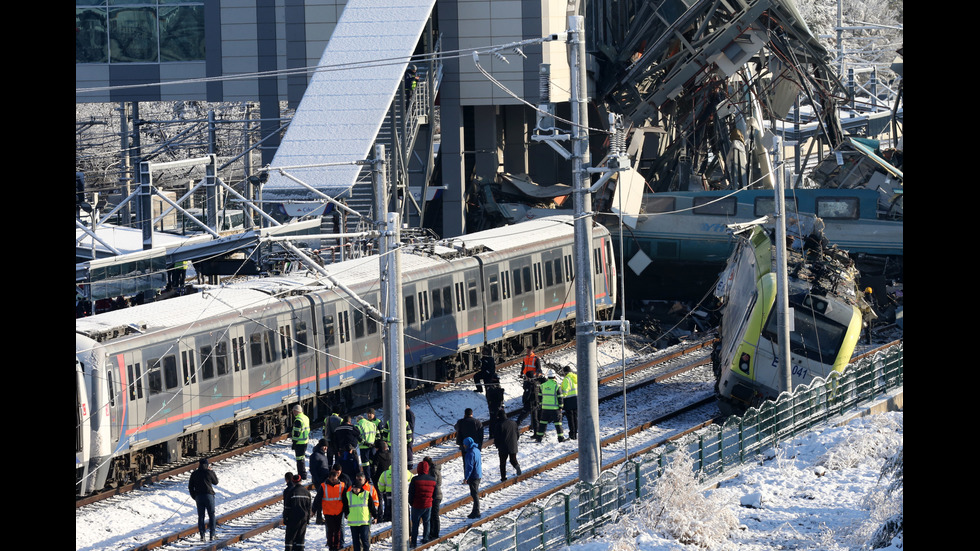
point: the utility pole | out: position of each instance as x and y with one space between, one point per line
395 365
589 461
783 312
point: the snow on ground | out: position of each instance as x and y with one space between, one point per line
798 508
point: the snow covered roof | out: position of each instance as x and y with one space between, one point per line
345 103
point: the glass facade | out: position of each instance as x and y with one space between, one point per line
138 31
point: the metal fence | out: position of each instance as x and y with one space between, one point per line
580 512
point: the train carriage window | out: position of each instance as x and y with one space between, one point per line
112 387
549 274
372 324
436 303
302 336
596 263
190 372
518 289
423 305
285 342
460 296
154 379
170 378
505 285
410 309
135 381
221 358
238 353
537 275
766 205
447 300
343 326
207 362
557 263
255 349
722 206
474 297
494 286
841 208
654 203
358 324
569 270
329 331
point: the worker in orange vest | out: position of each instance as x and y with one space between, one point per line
333 510
532 365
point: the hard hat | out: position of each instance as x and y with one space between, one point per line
297 409
550 373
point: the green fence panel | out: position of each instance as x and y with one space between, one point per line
530 528
555 520
502 535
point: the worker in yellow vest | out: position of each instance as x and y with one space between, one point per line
569 393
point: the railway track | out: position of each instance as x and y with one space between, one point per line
247 522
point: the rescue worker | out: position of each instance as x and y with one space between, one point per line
360 508
300 434
569 394
332 506
488 369
434 524
532 365
367 431
297 507
386 488
411 83
408 437
549 403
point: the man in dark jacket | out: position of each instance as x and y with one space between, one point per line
380 463
201 488
345 436
319 468
329 426
297 507
488 369
420 491
495 394
469 427
506 441
434 524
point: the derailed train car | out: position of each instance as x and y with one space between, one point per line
827 318
196 373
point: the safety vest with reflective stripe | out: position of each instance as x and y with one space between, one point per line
530 364
550 397
408 433
385 483
359 514
569 385
332 503
301 429
368 432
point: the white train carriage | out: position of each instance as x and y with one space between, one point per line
212 369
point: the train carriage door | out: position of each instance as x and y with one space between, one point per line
163 383
188 366
410 325
471 307
328 348
134 410
238 366
492 297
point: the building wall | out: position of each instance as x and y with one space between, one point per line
243 37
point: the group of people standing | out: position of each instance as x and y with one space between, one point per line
351 471
351 466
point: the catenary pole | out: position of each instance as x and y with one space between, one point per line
395 365
585 334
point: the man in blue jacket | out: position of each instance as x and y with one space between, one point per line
472 473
